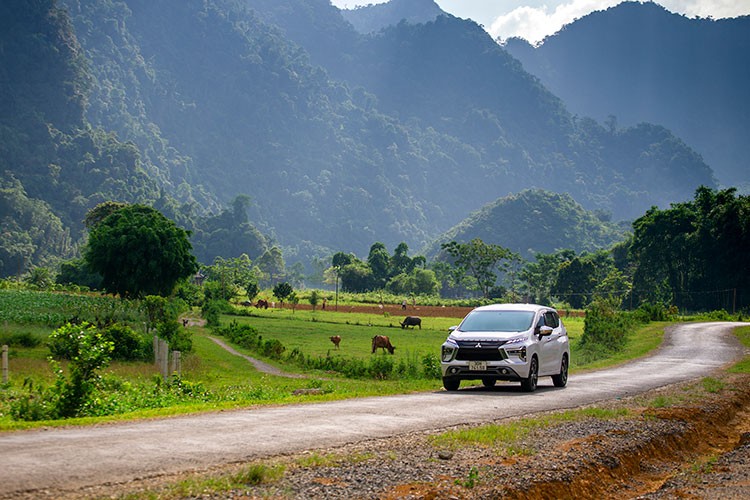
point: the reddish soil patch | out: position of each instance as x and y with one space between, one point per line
411 310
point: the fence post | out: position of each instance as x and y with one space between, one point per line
177 363
156 350
5 364
164 358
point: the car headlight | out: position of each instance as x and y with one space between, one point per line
512 347
448 351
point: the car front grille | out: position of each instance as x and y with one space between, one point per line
480 350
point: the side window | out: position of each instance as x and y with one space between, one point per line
551 319
540 322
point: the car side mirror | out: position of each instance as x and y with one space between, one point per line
451 328
545 331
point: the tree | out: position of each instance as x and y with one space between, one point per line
478 259
138 252
379 262
282 291
227 278
271 263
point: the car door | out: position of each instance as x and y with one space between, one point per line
550 347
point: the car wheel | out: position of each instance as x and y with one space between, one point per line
451 384
561 379
488 382
529 383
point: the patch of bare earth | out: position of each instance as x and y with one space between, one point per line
698 447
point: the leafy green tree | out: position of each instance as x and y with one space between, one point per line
227 278
693 247
478 259
40 277
76 272
139 252
538 278
282 291
356 277
271 263
379 262
578 278
314 299
417 282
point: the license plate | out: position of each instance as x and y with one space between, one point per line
477 366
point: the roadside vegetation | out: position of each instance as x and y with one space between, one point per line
51 382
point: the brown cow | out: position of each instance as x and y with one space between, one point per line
336 339
383 342
411 321
262 304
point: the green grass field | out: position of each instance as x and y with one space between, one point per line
223 380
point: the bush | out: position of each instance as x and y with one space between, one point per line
605 325
381 367
87 351
212 311
20 339
178 338
128 344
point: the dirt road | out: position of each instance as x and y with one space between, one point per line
72 458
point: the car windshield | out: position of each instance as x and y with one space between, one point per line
497 321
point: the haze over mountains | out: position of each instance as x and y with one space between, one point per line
340 138
638 62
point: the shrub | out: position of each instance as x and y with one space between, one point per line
128 344
212 310
605 325
178 338
88 351
21 339
273 349
380 367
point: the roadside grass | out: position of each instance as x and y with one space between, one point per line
505 438
743 366
641 342
250 475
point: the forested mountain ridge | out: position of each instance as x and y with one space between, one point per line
536 221
637 62
339 139
499 127
374 17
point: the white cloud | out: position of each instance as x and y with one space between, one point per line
534 23
713 8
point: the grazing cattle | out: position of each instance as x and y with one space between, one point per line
246 303
383 342
411 321
262 304
336 339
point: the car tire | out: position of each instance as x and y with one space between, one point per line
529 383
451 384
561 379
488 382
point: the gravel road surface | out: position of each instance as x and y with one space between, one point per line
77 457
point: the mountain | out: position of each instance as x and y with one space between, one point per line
637 62
317 137
374 17
536 221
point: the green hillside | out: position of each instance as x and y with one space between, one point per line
537 221
266 122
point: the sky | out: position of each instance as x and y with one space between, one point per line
535 19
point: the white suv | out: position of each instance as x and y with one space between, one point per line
520 342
